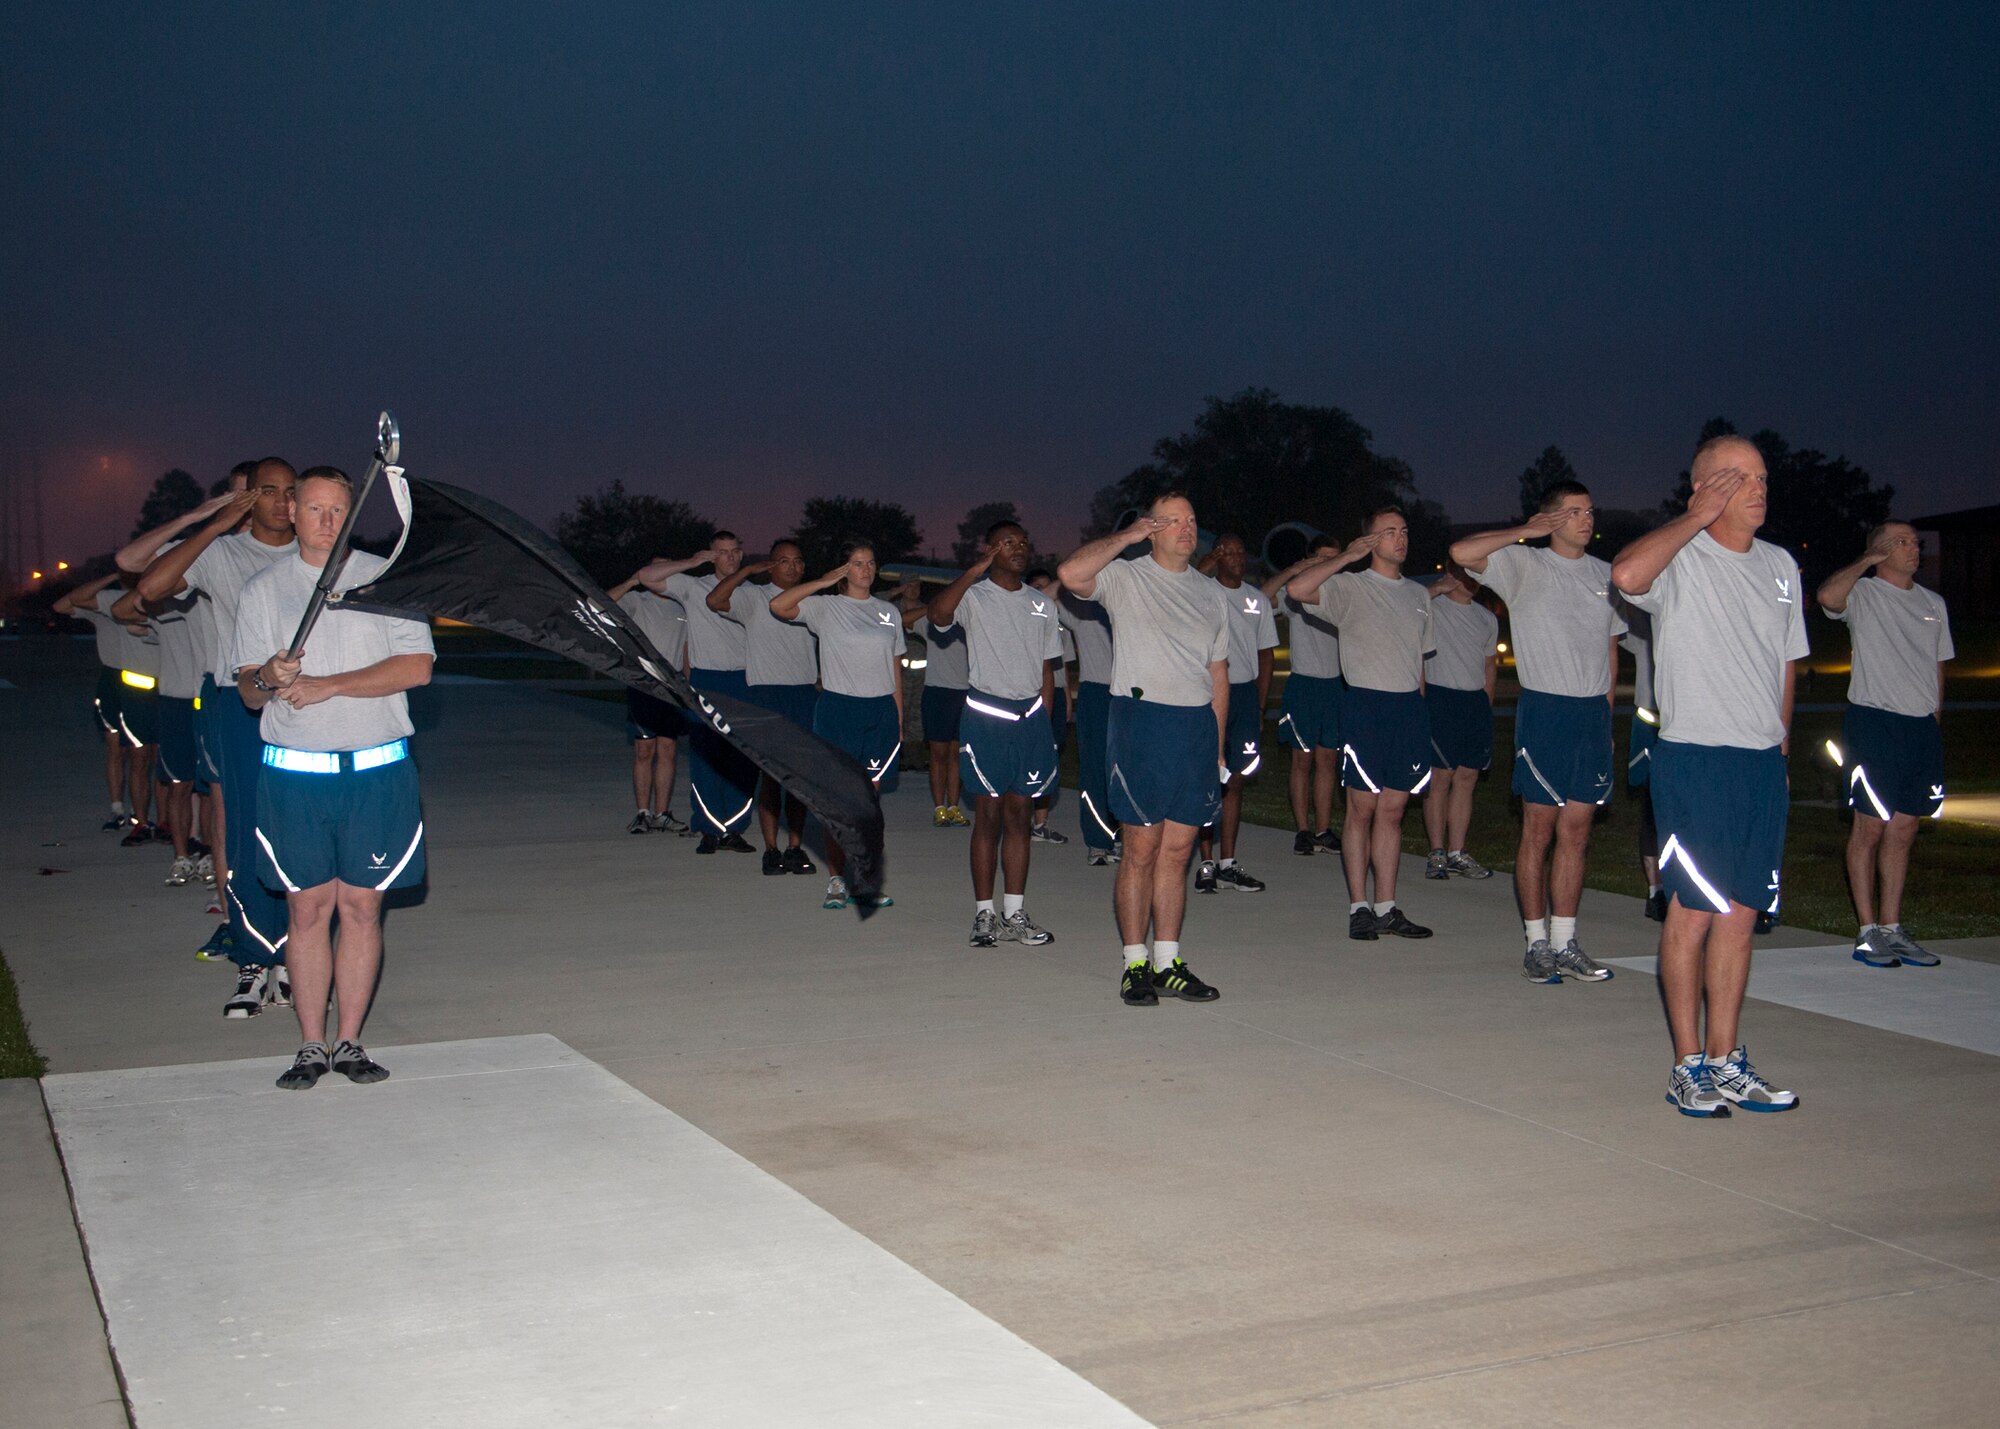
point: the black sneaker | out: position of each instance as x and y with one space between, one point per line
1137 987
642 822
734 842
797 862
774 863
357 1066
1656 906
1237 878
1043 834
113 824
1302 844
307 1068
1204 876
1361 924
707 844
1180 981
1394 922
141 834
1765 923
1328 840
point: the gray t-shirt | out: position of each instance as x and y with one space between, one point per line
947 662
1724 626
1900 638
266 616
1168 627
1315 644
1010 636
118 647
184 655
1090 628
220 572
1562 616
860 642
715 641
1638 639
1385 628
660 620
1252 627
1466 636
776 652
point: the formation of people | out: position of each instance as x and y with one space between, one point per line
288 781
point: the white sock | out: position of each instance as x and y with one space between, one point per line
1229 863
1895 927
1354 908
1456 853
1382 909
1134 953
1651 889
1537 930
984 905
1561 932
1165 950
118 807
1010 903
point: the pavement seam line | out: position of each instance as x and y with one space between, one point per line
1615 1151
89 1261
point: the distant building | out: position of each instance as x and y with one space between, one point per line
1958 558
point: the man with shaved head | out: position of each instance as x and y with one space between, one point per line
1728 625
1893 744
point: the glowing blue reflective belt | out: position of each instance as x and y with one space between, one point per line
312 761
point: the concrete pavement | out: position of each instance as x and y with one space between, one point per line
1387 1183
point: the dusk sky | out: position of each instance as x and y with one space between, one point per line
742 255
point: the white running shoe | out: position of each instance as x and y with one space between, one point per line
1736 1080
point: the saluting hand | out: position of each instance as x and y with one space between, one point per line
1545 523
1712 493
1360 546
1143 528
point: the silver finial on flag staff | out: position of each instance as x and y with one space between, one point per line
388 449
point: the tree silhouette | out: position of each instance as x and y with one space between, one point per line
972 530
612 532
1549 468
830 522
175 494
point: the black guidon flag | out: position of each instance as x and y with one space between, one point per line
470 559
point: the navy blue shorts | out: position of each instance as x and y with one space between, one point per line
1562 748
139 712
1895 763
650 717
1162 762
1388 744
1721 814
1059 713
943 708
177 755
795 702
207 734
1461 728
1639 749
106 700
1309 714
865 728
1243 739
364 827
1006 746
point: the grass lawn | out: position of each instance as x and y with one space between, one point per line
18 1057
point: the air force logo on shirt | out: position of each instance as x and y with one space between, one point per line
1784 590
885 617
1041 609
1251 605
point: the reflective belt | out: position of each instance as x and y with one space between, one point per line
313 761
136 680
977 704
1645 715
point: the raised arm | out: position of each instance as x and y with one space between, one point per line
1834 592
1472 552
785 605
1304 587
655 574
1640 563
1274 586
1079 573
138 553
944 605
83 595
718 599
166 576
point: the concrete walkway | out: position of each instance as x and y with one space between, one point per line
1377 1184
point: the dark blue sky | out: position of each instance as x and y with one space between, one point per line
944 255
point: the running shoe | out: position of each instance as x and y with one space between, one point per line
873 900
217 948
1204 876
1103 857
307 1068
280 986
666 823
214 905
1573 961
985 929
796 861
1136 989
734 842
1435 866
1692 1091
1875 948
1043 834
1765 923
836 893
117 821
938 818
642 823
204 867
707 844
356 1065
1180 981
1235 876
1737 1081
1395 921
774 864
1303 845
141 834
1466 866
1328 840
1361 924
1023 930
1538 964
955 817
252 984
1656 905
1913 953
181 873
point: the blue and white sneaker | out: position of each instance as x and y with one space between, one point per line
218 947
1913 953
1874 948
1737 1081
1691 1091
